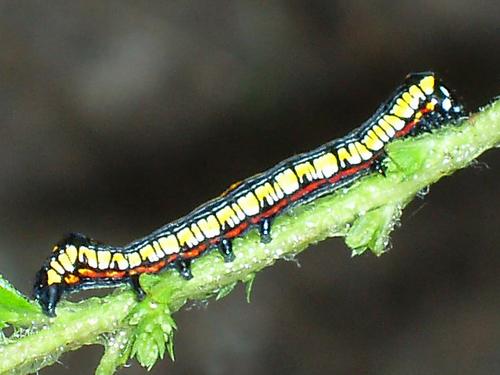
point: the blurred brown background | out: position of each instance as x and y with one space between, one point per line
117 118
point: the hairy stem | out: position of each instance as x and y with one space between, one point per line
414 164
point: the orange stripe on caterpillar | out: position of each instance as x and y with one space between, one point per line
421 104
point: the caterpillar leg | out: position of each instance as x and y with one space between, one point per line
379 164
136 286
48 298
265 230
226 249
184 268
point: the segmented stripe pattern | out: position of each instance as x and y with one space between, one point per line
79 262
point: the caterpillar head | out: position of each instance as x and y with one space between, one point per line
446 104
441 104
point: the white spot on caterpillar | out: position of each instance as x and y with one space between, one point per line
446 105
444 90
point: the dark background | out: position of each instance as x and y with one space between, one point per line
118 118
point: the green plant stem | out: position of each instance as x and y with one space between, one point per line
441 154
113 356
68 331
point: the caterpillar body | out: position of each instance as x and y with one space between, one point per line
78 262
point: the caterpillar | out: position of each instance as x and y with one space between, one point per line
78 262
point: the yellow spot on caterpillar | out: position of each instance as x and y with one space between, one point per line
381 134
239 211
272 193
427 85
72 253
416 92
158 250
343 155
265 193
326 165
197 232
418 115
148 253
278 190
231 188
53 277
66 262
134 259
56 266
226 217
87 256
305 169
430 106
412 101
210 226
395 122
288 181
351 156
186 237
363 151
355 157
249 204
388 129
103 258
372 141
169 244
71 279
402 109
120 261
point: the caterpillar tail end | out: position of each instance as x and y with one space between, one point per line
48 298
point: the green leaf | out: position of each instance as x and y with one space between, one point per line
406 157
116 353
15 308
145 350
371 230
153 332
249 280
225 290
170 346
159 292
